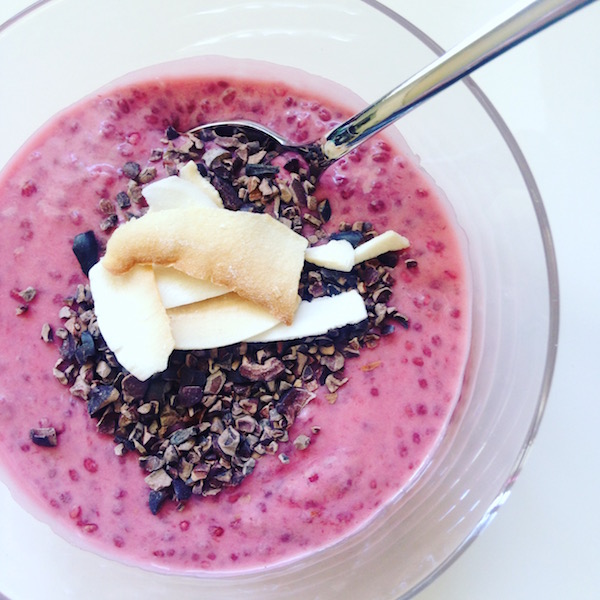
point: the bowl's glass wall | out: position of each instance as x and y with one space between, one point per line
80 46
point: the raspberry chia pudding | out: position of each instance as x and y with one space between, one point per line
256 452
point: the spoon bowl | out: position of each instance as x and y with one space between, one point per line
452 66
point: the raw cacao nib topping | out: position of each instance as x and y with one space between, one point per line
201 425
24 298
43 436
85 248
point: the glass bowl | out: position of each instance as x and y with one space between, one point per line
65 49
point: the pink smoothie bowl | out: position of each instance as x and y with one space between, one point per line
60 50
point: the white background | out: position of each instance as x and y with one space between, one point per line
545 542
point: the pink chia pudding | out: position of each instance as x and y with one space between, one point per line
348 452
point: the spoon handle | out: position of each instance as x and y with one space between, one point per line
448 68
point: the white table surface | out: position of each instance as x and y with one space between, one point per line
545 542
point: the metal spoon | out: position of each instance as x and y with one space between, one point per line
447 69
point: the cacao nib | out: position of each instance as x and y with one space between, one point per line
109 223
156 499
299 192
134 387
354 237
190 395
44 436
292 402
202 169
101 396
171 133
86 348
404 322
181 490
183 435
231 200
85 247
132 170
292 165
389 259
28 294
261 170
47 333
68 347
268 371
123 200
325 210
388 329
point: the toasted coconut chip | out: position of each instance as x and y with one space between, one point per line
252 254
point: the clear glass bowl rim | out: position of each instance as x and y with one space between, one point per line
553 290
551 272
